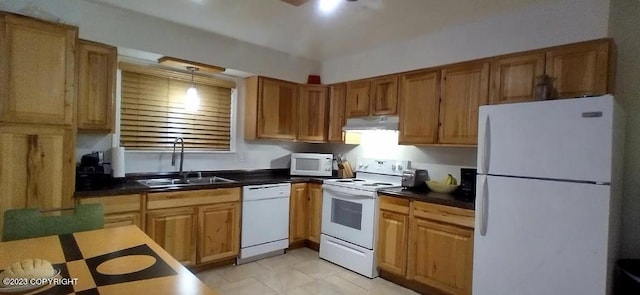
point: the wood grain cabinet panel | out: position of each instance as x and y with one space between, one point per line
513 78
175 231
393 233
298 213
315 211
123 219
419 101
442 256
337 117
312 113
96 86
36 166
384 96
358 102
37 71
218 232
464 89
270 109
578 70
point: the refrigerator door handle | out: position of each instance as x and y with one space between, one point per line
484 148
483 206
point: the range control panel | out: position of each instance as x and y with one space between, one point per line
390 167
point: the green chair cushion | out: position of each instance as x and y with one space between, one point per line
30 223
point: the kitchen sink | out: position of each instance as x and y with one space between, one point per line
177 182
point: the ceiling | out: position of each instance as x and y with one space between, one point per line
303 31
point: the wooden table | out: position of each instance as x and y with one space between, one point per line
120 260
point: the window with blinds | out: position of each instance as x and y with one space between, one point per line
153 113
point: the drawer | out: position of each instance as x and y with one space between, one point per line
192 198
445 214
394 204
116 204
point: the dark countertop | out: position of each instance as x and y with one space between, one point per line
240 178
424 195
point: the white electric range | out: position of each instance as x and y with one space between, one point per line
349 214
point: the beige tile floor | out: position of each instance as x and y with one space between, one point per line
298 272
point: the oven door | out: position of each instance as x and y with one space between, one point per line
348 214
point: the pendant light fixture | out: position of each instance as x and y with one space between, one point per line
191 99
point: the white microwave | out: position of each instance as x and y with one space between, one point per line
311 164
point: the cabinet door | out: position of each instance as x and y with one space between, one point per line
123 219
441 256
36 167
37 71
337 102
513 79
298 213
315 212
96 86
384 96
277 111
419 100
393 230
579 70
464 89
218 232
312 114
358 98
175 231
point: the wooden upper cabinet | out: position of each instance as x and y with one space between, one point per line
315 211
337 103
298 213
312 113
37 166
513 78
218 232
358 98
37 71
419 99
270 109
384 96
464 89
96 86
580 69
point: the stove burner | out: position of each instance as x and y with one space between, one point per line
357 180
382 183
369 184
346 180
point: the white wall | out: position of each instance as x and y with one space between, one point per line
547 24
123 28
624 24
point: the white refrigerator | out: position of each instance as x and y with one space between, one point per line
547 199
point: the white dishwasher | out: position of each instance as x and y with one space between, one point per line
265 221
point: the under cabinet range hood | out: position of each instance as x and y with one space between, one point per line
372 123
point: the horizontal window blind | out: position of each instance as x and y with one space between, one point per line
153 113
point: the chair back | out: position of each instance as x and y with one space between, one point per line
30 223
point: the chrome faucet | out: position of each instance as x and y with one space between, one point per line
173 155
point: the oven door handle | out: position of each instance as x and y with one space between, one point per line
347 196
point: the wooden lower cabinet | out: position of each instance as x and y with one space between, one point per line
315 211
123 219
120 210
298 213
424 243
175 231
205 230
393 232
442 256
218 232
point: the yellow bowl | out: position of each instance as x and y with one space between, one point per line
441 187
